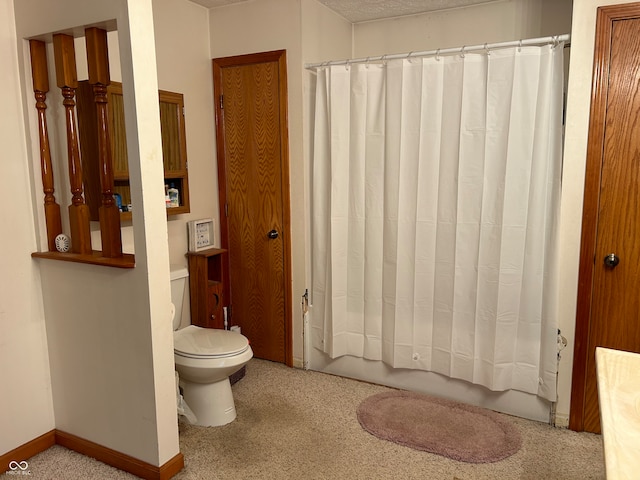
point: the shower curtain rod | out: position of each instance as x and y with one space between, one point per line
445 51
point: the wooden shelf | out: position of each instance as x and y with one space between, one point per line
128 216
209 252
206 287
126 261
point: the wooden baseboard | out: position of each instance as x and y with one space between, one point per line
120 460
28 450
85 447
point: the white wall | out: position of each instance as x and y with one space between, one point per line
184 66
325 35
108 330
261 26
499 21
26 405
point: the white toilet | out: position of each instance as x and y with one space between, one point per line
204 359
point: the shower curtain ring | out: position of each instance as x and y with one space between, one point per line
462 51
520 45
486 49
437 55
412 55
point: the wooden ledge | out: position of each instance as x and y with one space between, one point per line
127 260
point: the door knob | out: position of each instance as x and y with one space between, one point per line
611 260
273 234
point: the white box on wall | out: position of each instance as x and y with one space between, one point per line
200 234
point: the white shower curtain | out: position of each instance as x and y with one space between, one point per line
435 196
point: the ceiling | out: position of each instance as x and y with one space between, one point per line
363 10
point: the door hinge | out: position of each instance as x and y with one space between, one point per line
226 209
221 102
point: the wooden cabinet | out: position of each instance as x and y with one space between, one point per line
174 147
206 287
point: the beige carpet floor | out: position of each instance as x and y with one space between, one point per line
296 424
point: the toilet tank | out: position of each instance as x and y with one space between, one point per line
179 277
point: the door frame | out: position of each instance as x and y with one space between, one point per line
280 57
595 147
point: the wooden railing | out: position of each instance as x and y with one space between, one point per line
40 89
79 217
98 64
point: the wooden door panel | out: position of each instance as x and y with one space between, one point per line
609 304
256 203
615 303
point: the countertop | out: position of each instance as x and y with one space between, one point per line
619 394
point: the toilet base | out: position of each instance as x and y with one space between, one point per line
212 403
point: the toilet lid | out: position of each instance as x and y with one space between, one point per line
198 342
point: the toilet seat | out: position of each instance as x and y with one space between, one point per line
199 342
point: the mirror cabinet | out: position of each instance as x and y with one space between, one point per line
174 148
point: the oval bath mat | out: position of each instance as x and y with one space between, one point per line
444 427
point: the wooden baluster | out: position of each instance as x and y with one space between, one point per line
98 64
40 75
67 79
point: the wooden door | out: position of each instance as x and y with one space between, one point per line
608 311
251 117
